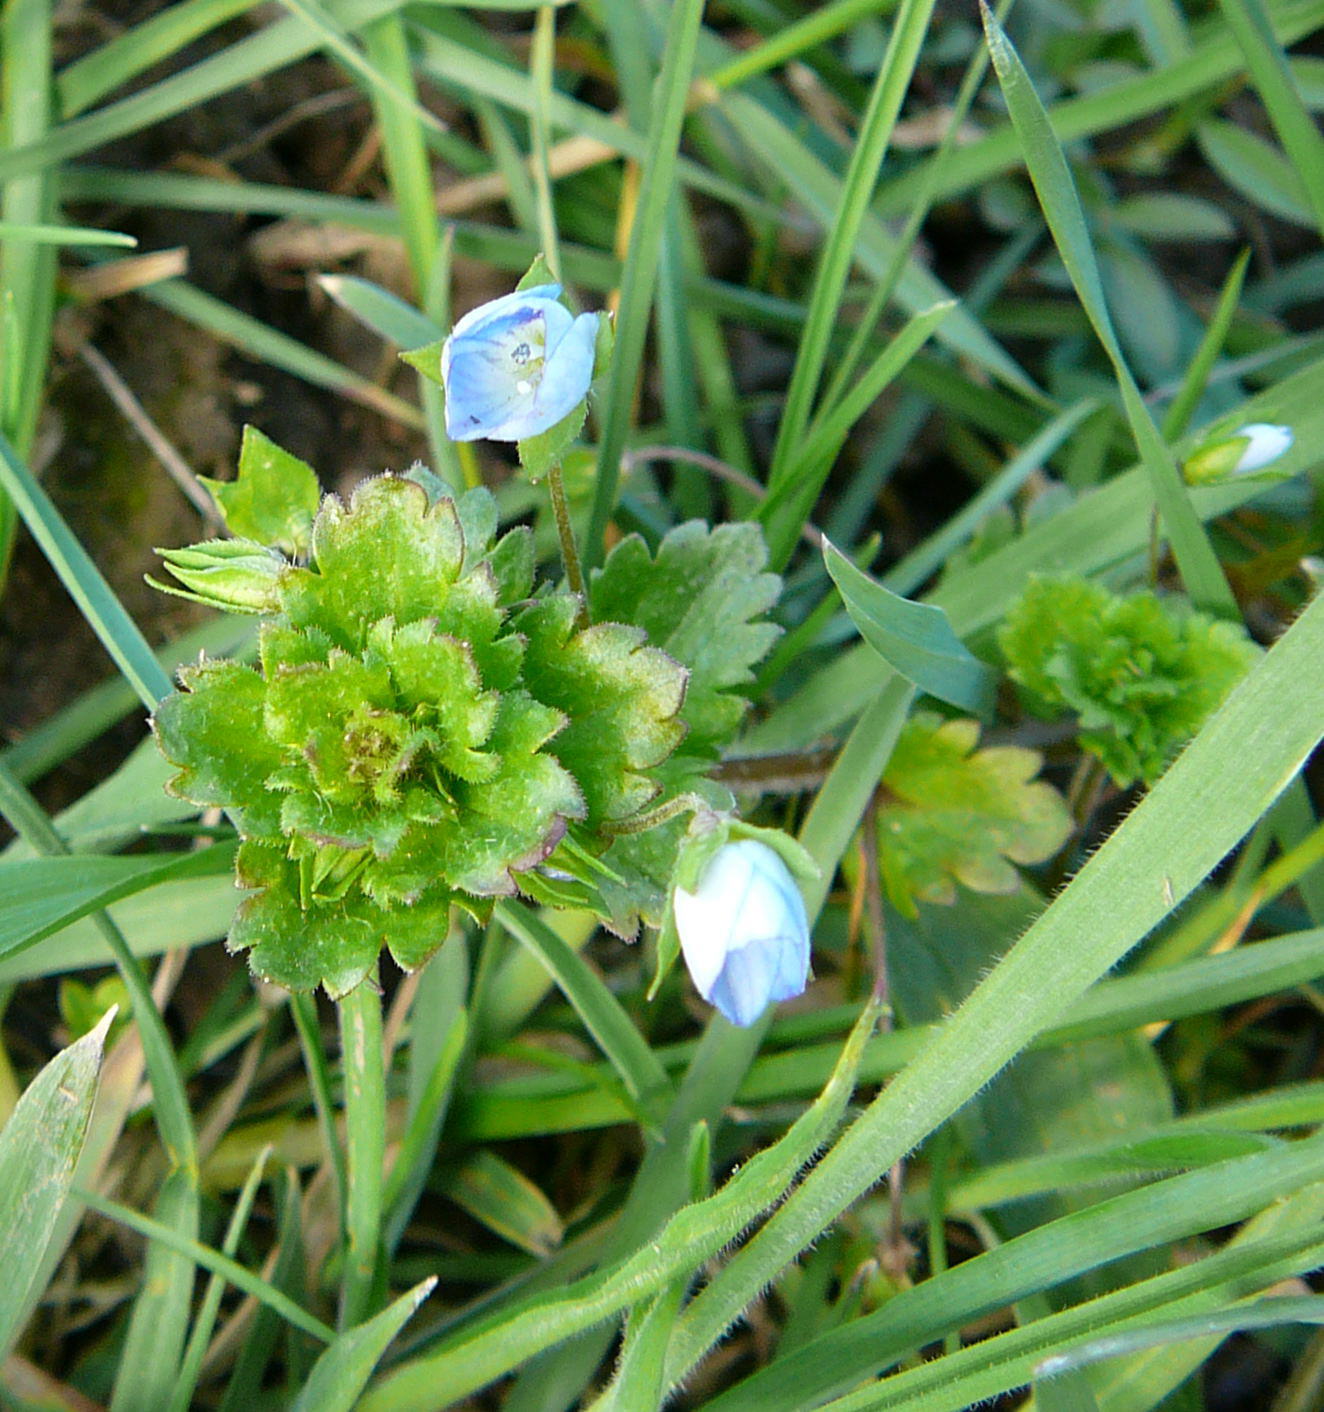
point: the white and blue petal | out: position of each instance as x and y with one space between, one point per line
516 366
743 931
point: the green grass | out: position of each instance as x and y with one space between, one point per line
964 298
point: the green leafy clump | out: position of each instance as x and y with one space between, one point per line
418 734
423 730
1142 673
951 813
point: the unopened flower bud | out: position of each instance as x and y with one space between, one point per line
1249 450
238 575
743 931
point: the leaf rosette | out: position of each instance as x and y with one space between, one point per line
418 734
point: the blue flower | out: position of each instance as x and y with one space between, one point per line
744 933
516 366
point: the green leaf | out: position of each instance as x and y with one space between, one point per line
538 274
1141 675
953 813
503 1199
43 895
699 600
39 1148
1056 190
387 554
214 732
621 698
235 575
381 311
914 638
343 1370
272 499
426 360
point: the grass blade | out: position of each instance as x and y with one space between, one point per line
640 274
1199 567
39 1148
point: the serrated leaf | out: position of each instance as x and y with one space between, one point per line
39 1149
274 497
621 699
1141 675
953 813
697 600
915 639
213 731
334 943
386 554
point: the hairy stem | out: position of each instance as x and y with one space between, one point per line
574 574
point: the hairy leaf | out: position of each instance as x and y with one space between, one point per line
700 600
273 498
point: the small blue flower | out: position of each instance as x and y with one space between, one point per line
744 933
516 366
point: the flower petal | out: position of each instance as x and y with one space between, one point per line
477 320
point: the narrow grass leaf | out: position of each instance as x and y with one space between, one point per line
1296 128
153 1348
625 1048
200 1336
343 1370
791 498
65 235
1196 377
213 1260
500 1197
915 639
639 277
1213 61
839 250
1049 1255
1052 180
259 1343
271 48
83 580
693 1234
126 55
43 895
1260 1314
386 314
39 1149
268 345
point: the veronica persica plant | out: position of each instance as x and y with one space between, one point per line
743 931
516 366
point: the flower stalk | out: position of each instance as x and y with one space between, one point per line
365 1145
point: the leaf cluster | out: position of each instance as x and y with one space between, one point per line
1142 673
423 730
